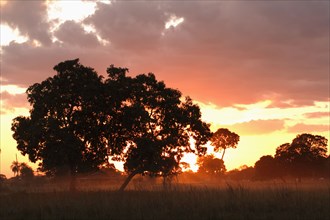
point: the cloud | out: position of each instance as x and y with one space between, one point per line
257 127
132 26
232 52
73 34
11 101
248 53
308 128
224 52
29 17
24 64
317 115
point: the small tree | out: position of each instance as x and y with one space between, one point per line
223 139
26 172
211 165
15 167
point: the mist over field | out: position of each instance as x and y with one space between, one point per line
188 197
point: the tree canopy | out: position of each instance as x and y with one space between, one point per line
22 170
62 129
304 156
211 165
305 148
267 167
223 139
78 120
159 125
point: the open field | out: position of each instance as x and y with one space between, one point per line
234 200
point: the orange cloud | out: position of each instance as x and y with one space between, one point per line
11 101
317 114
257 127
308 128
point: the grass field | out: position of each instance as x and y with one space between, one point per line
226 201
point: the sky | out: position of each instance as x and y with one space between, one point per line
258 68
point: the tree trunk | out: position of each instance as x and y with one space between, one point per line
128 179
223 153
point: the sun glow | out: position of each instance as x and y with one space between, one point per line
70 10
3 2
173 21
191 159
91 29
7 35
61 11
12 89
218 117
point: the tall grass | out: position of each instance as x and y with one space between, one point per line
227 201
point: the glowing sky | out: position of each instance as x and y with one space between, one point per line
259 68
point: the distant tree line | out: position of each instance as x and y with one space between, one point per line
22 170
305 156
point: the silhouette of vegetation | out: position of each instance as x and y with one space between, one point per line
228 201
305 156
158 127
241 174
223 139
211 165
78 120
267 167
62 130
22 170
26 172
15 167
3 178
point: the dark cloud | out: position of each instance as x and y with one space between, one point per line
24 64
30 17
257 127
132 26
239 52
308 128
224 52
73 34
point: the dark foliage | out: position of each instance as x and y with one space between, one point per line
62 129
305 156
78 120
223 139
211 165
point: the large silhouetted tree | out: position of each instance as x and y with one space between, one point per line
223 139
78 120
159 125
304 156
63 129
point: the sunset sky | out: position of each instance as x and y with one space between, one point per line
260 69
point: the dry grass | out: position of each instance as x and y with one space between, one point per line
228 200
